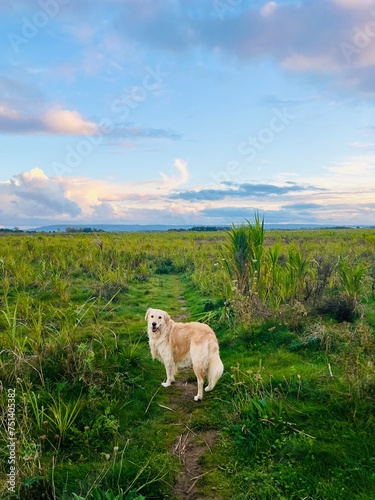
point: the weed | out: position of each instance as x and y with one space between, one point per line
62 415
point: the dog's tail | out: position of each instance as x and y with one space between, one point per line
215 370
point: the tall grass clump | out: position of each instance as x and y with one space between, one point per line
243 255
349 284
352 282
262 284
288 283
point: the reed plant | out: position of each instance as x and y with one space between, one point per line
287 281
351 281
243 254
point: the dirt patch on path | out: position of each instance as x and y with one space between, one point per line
189 448
191 445
184 314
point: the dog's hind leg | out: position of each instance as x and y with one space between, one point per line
200 381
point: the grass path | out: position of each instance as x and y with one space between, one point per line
192 443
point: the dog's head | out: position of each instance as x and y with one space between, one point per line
156 319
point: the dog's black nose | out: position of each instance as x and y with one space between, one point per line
153 324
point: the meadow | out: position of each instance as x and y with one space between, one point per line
291 418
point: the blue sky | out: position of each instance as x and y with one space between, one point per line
187 111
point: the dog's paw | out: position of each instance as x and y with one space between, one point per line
168 383
197 398
208 389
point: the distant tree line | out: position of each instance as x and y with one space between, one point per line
202 228
68 229
72 229
7 230
209 228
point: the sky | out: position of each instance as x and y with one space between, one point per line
192 112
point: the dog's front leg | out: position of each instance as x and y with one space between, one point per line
170 368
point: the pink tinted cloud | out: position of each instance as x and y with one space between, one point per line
67 122
54 121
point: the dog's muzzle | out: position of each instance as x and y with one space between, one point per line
154 327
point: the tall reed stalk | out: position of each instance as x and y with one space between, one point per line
243 254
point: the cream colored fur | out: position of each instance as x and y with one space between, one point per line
180 345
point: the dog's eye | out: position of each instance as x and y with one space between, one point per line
159 317
152 316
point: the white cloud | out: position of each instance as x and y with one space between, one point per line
343 195
32 194
355 171
104 211
174 181
33 177
55 121
182 168
109 200
67 122
268 9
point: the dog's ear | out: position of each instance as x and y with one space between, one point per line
166 317
147 314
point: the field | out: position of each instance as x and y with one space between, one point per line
84 415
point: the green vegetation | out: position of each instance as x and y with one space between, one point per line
292 416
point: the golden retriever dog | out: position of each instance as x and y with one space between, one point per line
179 345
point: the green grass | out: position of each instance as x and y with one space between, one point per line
293 411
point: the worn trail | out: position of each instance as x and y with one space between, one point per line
191 445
